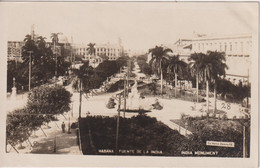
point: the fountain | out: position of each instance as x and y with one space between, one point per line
134 103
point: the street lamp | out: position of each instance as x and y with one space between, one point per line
245 124
30 68
117 123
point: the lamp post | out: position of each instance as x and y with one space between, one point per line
124 95
117 124
54 49
245 126
30 68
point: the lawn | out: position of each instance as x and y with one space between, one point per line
154 89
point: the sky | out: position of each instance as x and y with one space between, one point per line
140 25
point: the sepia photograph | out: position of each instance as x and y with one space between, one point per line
146 79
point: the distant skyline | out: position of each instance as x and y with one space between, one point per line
140 25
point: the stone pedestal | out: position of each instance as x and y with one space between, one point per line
14 93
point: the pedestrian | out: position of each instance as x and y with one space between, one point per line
63 127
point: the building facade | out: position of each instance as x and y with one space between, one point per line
237 49
14 50
112 51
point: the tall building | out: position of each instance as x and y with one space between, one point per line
14 50
237 49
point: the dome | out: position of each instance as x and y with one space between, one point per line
63 39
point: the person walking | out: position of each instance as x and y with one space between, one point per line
63 127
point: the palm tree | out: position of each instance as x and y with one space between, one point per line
159 60
218 70
207 74
55 41
92 51
91 48
195 68
81 81
40 41
176 66
28 46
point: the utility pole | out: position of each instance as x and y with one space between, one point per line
71 53
55 58
244 141
124 95
80 98
30 68
245 125
117 124
247 99
128 73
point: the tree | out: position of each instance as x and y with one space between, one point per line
46 66
55 38
146 69
29 46
91 48
81 81
55 41
176 66
195 68
218 70
122 61
207 73
41 43
107 68
211 67
17 127
49 101
43 103
159 60
144 66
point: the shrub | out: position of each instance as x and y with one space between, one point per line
157 106
111 103
140 132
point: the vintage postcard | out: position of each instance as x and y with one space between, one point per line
122 84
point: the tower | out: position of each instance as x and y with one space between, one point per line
32 32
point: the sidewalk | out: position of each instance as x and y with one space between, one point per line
44 141
65 143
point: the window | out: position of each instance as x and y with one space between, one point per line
230 47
